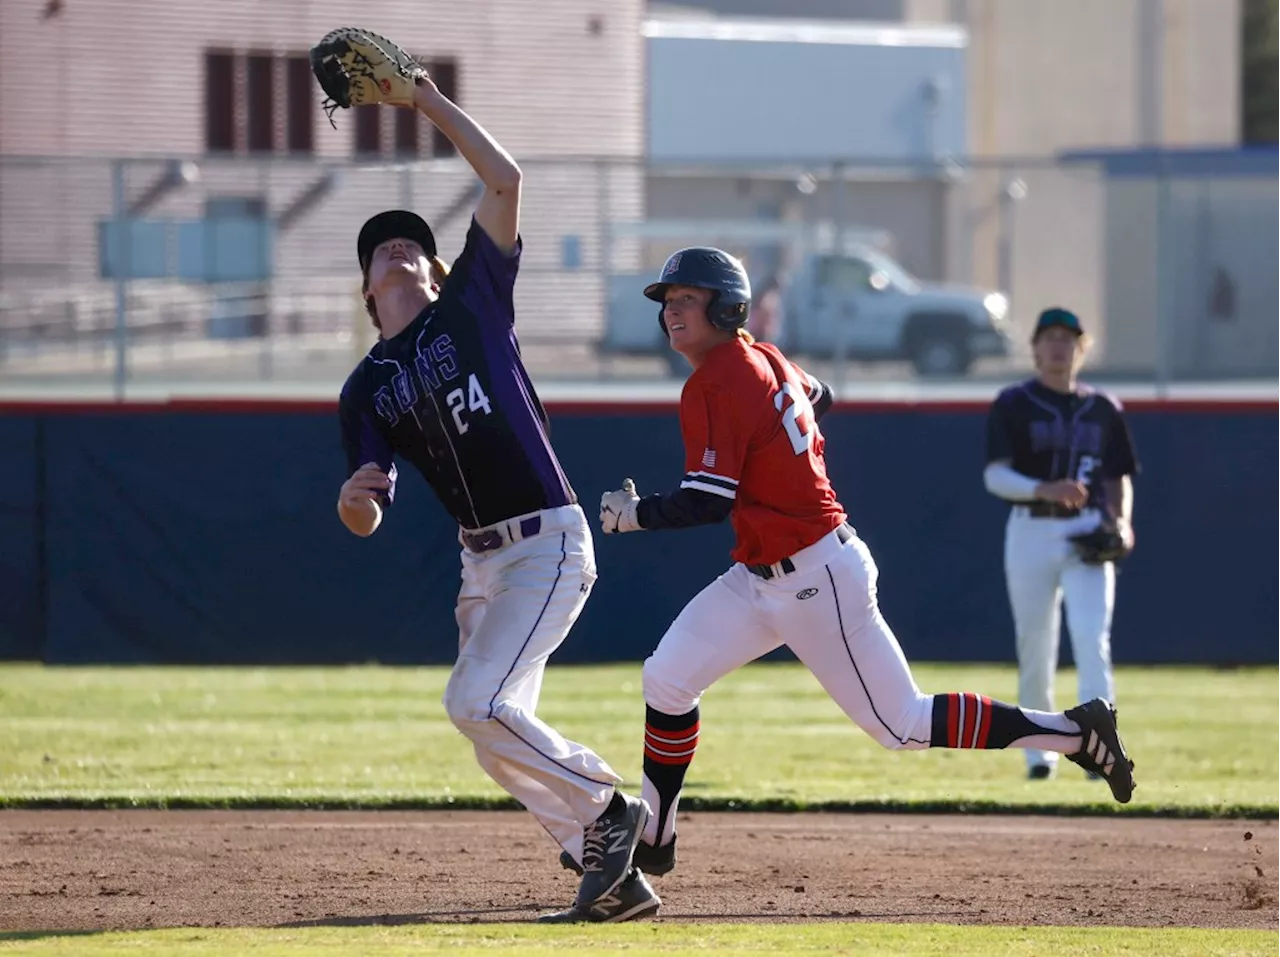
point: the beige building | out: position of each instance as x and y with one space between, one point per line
1048 77
225 85
1043 77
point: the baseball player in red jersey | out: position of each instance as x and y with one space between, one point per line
802 577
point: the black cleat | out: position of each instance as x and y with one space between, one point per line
607 845
655 860
1040 772
1101 750
569 864
633 899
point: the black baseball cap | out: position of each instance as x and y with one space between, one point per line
393 224
1057 316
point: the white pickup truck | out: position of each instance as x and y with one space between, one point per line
858 304
863 305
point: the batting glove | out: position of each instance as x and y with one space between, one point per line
618 509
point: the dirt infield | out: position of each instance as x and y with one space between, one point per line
89 870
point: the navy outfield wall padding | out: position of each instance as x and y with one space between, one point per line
208 534
21 565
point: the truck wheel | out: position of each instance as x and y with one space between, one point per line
940 354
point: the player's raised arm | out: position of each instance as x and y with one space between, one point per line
498 212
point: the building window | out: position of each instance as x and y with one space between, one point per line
260 102
445 73
275 111
368 130
300 99
409 134
220 100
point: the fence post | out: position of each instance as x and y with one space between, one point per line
604 243
845 313
1164 327
123 265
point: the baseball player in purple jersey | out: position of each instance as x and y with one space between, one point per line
445 390
1062 455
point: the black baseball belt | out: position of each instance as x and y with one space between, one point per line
504 533
843 532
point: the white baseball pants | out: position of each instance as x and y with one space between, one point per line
826 612
515 608
1042 570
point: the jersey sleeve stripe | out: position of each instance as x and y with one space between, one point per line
713 478
702 485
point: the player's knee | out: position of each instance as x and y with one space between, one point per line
905 728
478 713
465 713
467 706
887 740
663 692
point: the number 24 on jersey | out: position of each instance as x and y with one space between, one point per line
473 401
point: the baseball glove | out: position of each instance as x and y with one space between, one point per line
1104 544
357 68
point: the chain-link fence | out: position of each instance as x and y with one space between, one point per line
216 270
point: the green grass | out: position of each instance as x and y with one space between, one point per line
1205 741
683 940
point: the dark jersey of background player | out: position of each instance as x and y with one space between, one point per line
1049 435
450 395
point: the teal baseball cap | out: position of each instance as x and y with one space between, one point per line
1057 316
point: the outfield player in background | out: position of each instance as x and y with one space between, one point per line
444 388
754 453
1062 453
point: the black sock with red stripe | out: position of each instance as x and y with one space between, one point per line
669 743
963 720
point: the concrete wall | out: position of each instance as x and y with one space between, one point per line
1047 77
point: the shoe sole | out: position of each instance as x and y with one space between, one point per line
638 912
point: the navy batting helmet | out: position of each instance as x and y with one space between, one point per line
707 268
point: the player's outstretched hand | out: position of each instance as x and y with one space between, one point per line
366 483
1066 492
618 509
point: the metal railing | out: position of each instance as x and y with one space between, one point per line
245 269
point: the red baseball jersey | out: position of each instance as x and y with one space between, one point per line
750 435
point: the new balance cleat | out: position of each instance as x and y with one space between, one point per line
607 845
633 899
